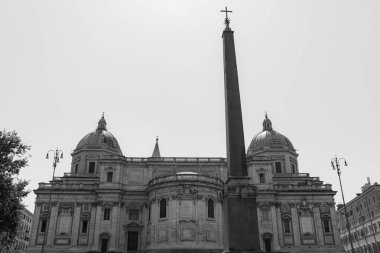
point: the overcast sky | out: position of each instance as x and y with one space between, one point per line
155 68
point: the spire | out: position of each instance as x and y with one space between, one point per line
236 156
156 150
267 124
102 124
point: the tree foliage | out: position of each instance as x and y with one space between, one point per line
13 157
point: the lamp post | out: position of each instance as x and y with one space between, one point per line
58 154
336 166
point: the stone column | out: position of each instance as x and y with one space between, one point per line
334 228
296 228
97 227
34 229
318 226
52 224
279 228
75 227
276 245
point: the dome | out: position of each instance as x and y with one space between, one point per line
100 139
269 139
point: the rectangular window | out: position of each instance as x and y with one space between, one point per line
76 168
109 176
326 226
262 178
149 211
133 214
43 226
106 215
287 226
163 208
278 167
91 167
84 226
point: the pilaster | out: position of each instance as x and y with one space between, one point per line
114 225
334 228
296 227
92 226
75 227
52 224
318 226
279 228
276 245
36 220
97 227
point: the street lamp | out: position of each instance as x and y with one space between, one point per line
335 165
58 154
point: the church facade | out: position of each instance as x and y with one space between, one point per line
112 203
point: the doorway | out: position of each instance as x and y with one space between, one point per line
268 245
104 245
132 240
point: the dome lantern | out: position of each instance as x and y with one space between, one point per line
102 124
267 124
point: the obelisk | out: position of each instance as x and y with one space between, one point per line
241 233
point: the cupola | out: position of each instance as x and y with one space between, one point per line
269 139
100 139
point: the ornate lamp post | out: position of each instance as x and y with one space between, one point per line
335 165
58 154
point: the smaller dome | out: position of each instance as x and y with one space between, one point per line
100 139
269 138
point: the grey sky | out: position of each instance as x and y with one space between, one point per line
155 68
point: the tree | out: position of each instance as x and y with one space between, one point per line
13 157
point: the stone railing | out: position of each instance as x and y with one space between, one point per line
92 175
192 177
291 175
60 186
311 187
170 159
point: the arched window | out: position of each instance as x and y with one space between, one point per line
210 208
163 208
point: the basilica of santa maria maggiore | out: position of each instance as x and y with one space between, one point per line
108 202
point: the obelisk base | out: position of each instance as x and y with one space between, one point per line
241 226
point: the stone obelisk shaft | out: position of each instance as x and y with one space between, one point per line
236 159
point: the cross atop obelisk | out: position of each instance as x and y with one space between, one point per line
226 20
